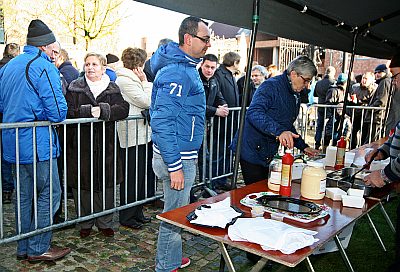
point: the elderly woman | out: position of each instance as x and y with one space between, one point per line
94 96
137 91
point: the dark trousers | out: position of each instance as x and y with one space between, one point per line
320 126
367 129
356 127
6 175
102 222
398 234
137 166
253 172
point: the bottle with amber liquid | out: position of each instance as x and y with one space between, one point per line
341 149
286 176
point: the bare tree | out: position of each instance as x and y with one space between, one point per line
18 13
89 19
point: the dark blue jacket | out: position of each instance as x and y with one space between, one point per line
68 71
178 106
273 110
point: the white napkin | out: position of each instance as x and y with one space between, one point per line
271 234
218 215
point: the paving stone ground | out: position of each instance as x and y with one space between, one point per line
128 250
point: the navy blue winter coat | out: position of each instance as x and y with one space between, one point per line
273 110
178 106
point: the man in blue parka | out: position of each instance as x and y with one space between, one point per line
30 90
177 112
270 117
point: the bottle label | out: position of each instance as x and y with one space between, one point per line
275 178
322 186
286 175
340 156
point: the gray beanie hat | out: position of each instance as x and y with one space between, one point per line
39 34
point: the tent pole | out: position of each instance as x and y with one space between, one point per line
255 20
346 94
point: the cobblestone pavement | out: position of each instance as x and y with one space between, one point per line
128 250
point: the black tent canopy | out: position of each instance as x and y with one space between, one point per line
326 23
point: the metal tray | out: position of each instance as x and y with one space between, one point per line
289 204
341 179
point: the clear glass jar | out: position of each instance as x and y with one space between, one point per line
313 181
274 174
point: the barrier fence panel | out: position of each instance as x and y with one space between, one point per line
11 219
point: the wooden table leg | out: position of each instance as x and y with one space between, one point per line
343 253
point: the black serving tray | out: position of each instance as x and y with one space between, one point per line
289 204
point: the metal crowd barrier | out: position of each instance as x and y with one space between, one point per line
10 227
219 133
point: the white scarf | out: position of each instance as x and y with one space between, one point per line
97 87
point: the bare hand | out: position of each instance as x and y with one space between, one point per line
374 179
222 111
369 155
286 139
311 151
141 75
177 180
96 112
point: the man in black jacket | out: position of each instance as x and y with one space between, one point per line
373 124
215 103
320 91
223 127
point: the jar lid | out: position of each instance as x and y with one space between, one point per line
315 164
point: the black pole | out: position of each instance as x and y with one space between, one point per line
346 93
255 20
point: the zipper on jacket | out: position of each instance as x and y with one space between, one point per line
193 119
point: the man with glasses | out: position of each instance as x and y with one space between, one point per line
177 110
269 121
270 117
258 75
391 148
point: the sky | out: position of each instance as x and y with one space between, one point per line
148 21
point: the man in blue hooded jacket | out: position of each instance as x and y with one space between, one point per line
177 121
30 90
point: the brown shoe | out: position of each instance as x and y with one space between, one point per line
108 232
54 253
83 233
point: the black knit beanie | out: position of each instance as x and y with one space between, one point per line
111 58
39 34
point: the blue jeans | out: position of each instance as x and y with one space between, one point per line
38 244
6 176
169 244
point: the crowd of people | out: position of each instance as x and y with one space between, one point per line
360 125
178 91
